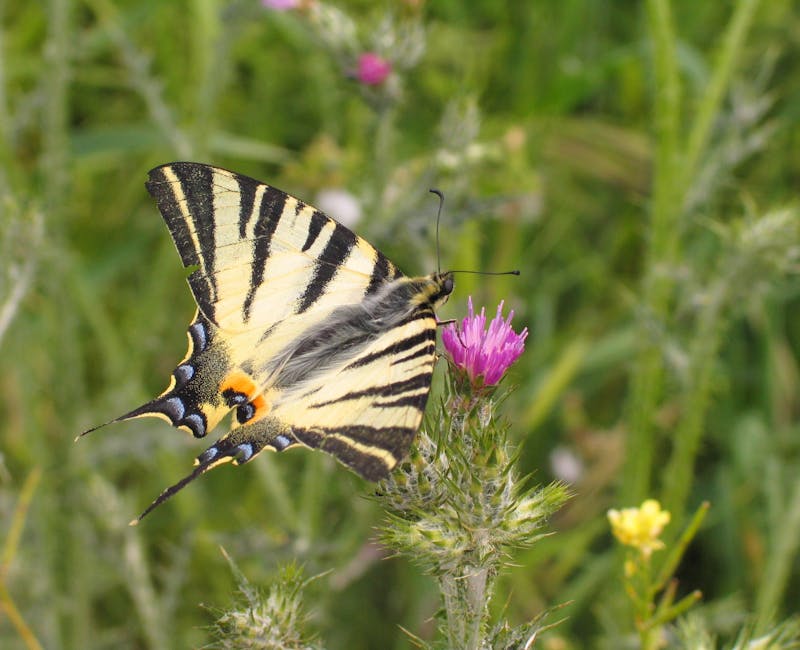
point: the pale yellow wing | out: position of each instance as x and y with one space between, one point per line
261 255
306 331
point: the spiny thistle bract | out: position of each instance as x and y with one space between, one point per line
266 620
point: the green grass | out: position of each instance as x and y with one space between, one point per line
637 161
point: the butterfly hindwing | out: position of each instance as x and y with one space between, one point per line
365 407
355 387
304 330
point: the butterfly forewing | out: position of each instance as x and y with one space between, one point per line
261 254
305 331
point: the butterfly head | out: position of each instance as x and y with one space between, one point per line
440 287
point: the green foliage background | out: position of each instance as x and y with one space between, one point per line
636 160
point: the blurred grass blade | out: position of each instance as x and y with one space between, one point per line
10 548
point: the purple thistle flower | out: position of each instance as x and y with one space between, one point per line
481 352
281 5
372 69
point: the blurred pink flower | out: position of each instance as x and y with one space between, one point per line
372 69
480 352
281 5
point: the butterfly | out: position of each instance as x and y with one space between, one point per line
310 335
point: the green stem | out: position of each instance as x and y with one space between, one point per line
141 80
650 638
21 284
10 609
464 597
648 373
708 109
382 156
678 548
5 113
448 587
675 167
142 591
669 614
779 563
697 395
56 108
14 534
476 601
9 552
210 53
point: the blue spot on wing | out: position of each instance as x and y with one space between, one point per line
281 442
243 453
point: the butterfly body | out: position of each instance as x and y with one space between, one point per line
303 329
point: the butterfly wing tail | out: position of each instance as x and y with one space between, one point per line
173 489
239 446
175 406
193 400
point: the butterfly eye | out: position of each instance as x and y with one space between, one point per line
448 286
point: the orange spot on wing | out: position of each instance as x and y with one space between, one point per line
240 383
243 384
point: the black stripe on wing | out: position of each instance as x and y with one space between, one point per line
163 192
344 443
397 347
247 201
395 440
272 205
318 220
198 187
372 468
330 260
426 351
393 389
417 401
199 285
381 272
193 234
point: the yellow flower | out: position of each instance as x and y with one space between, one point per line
640 527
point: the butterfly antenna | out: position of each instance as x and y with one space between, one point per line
438 218
514 272
439 193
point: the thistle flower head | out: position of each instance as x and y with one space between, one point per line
483 354
267 620
372 69
640 527
281 5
